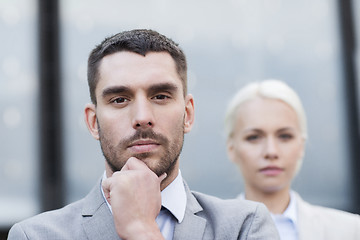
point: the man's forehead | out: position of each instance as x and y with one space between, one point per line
129 57
129 69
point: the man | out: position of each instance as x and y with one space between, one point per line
140 111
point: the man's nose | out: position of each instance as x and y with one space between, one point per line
271 149
142 114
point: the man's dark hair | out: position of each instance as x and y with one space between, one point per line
139 41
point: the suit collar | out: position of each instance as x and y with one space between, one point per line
173 198
97 219
193 226
309 226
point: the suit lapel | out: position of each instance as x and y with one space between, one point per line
98 221
192 227
309 226
97 218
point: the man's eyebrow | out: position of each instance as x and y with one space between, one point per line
163 87
115 90
160 87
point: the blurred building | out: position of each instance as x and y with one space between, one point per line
311 45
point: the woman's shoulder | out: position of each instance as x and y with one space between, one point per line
318 222
326 214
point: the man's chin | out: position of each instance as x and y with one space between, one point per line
143 156
153 164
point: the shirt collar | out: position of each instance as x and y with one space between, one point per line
103 194
173 197
290 212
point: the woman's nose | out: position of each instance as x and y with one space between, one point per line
271 149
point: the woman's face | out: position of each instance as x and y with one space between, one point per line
267 144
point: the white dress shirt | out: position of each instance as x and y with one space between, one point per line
286 223
173 201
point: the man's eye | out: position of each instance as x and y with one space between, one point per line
119 100
161 97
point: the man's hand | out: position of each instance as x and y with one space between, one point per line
135 199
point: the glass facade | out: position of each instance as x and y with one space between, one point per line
18 107
228 44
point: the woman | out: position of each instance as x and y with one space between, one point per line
266 133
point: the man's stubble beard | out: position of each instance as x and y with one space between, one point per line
166 162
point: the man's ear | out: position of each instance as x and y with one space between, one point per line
189 113
91 120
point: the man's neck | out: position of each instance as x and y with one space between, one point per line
170 177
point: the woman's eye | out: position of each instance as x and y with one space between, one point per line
286 136
252 138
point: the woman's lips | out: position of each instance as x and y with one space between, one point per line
271 171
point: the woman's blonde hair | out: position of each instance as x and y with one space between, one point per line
273 89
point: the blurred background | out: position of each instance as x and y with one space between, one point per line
47 156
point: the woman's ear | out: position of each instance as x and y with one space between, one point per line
230 149
189 113
91 120
301 157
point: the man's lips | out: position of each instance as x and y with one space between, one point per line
141 146
271 170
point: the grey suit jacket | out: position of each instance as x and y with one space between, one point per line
206 217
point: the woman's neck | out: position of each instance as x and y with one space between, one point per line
276 202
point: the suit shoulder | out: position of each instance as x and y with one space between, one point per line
231 205
331 223
65 212
236 210
332 213
49 222
251 220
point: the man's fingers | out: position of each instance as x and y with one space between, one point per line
162 177
106 187
134 164
130 165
